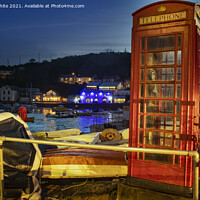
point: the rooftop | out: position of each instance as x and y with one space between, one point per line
103 84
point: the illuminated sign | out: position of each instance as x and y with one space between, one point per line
162 18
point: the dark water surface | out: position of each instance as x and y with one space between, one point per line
43 123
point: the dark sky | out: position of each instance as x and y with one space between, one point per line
45 34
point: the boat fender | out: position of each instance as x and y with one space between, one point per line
110 134
22 113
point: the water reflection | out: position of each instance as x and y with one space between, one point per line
43 123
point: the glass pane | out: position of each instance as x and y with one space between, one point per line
168 139
141 137
159 122
143 44
178 73
178 90
160 106
178 107
160 58
140 156
159 157
161 42
178 57
141 121
179 41
152 138
142 75
169 107
161 139
160 90
160 74
177 144
142 59
141 90
177 123
141 106
177 158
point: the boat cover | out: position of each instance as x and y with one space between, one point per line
21 160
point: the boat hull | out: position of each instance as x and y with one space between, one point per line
83 163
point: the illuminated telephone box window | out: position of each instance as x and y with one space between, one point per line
165 95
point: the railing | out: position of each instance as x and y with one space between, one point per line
194 154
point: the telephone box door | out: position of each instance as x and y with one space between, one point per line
160 105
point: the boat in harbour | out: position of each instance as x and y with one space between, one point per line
61 115
86 163
30 119
99 111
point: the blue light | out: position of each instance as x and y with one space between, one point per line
91 100
83 93
100 93
108 94
92 93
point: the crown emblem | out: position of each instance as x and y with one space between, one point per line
161 9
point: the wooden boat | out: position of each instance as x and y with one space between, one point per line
56 134
30 119
83 163
61 115
81 113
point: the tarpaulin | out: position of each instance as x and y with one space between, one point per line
21 160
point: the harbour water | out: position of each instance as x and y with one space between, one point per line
43 123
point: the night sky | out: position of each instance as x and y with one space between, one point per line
45 34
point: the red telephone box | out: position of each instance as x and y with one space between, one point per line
164 107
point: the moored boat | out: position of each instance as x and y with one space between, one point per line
30 119
83 163
99 111
62 115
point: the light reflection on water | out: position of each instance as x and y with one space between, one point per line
43 123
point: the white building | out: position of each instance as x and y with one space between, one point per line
121 96
9 93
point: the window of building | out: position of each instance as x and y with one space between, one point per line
87 100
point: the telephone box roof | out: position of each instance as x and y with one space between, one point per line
163 2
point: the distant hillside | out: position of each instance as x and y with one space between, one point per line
46 74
